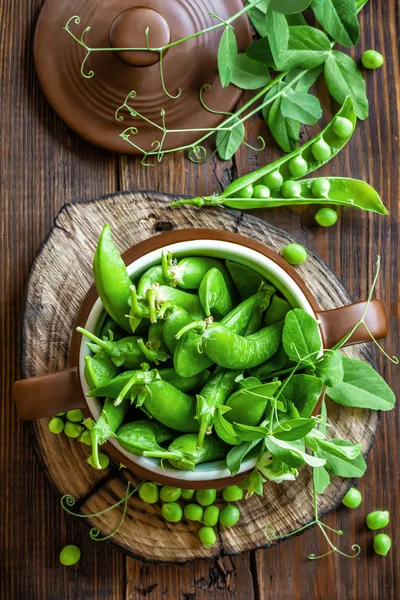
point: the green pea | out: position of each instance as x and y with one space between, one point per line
273 180
207 536
103 460
206 497
75 416
187 494
244 192
298 166
72 430
193 512
170 494
353 498
320 187
326 217
382 544
148 492
233 493
70 555
378 519
371 59
291 189
56 425
86 438
60 414
211 516
229 516
342 127
320 150
261 191
172 512
294 254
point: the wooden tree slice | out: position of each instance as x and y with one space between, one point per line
59 280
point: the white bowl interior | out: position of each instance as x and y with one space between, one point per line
217 249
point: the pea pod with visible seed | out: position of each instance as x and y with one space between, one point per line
142 435
189 272
280 170
111 418
99 370
183 452
112 279
215 392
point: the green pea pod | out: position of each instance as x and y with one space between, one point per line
224 429
183 452
214 295
215 392
343 192
110 420
143 435
170 406
111 279
276 311
281 166
99 370
149 278
256 320
247 405
129 351
189 272
232 351
185 384
174 322
189 359
247 281
156 336
151 304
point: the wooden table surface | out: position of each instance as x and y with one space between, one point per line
44 165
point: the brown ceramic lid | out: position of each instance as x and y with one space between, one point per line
88 105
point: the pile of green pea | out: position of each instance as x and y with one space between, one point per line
378 519
203 510
73 425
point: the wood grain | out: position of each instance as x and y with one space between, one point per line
42 165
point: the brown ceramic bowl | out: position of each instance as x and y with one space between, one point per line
36 397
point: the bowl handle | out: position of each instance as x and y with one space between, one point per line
46 395
337 323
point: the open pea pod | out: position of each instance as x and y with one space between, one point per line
343 191
281 170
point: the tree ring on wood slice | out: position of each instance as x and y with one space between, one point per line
53 297
88 104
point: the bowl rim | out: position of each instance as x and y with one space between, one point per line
146 468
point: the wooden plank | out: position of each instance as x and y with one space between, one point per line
42 165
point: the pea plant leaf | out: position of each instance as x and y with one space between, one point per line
301 106
296 19
289 7
362 387
321 479
307 48
339 19
253 484
249 74
260 50
303 390
345 449
275 470
340 465
292 454
343 79
330 368
294 429
257 15
278 36
300 337
227 51
237 454
308 78
227 142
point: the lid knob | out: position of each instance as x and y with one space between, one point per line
128 31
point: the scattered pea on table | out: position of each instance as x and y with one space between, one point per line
229 516
353 498
233 493
187 494
56 425
211 516
378 519
294 254
207 536
70 555
371 59
72 430
172 512
86 438
382 544
206 497
169 494
103 460
148 492
193 512
326 217
75 416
